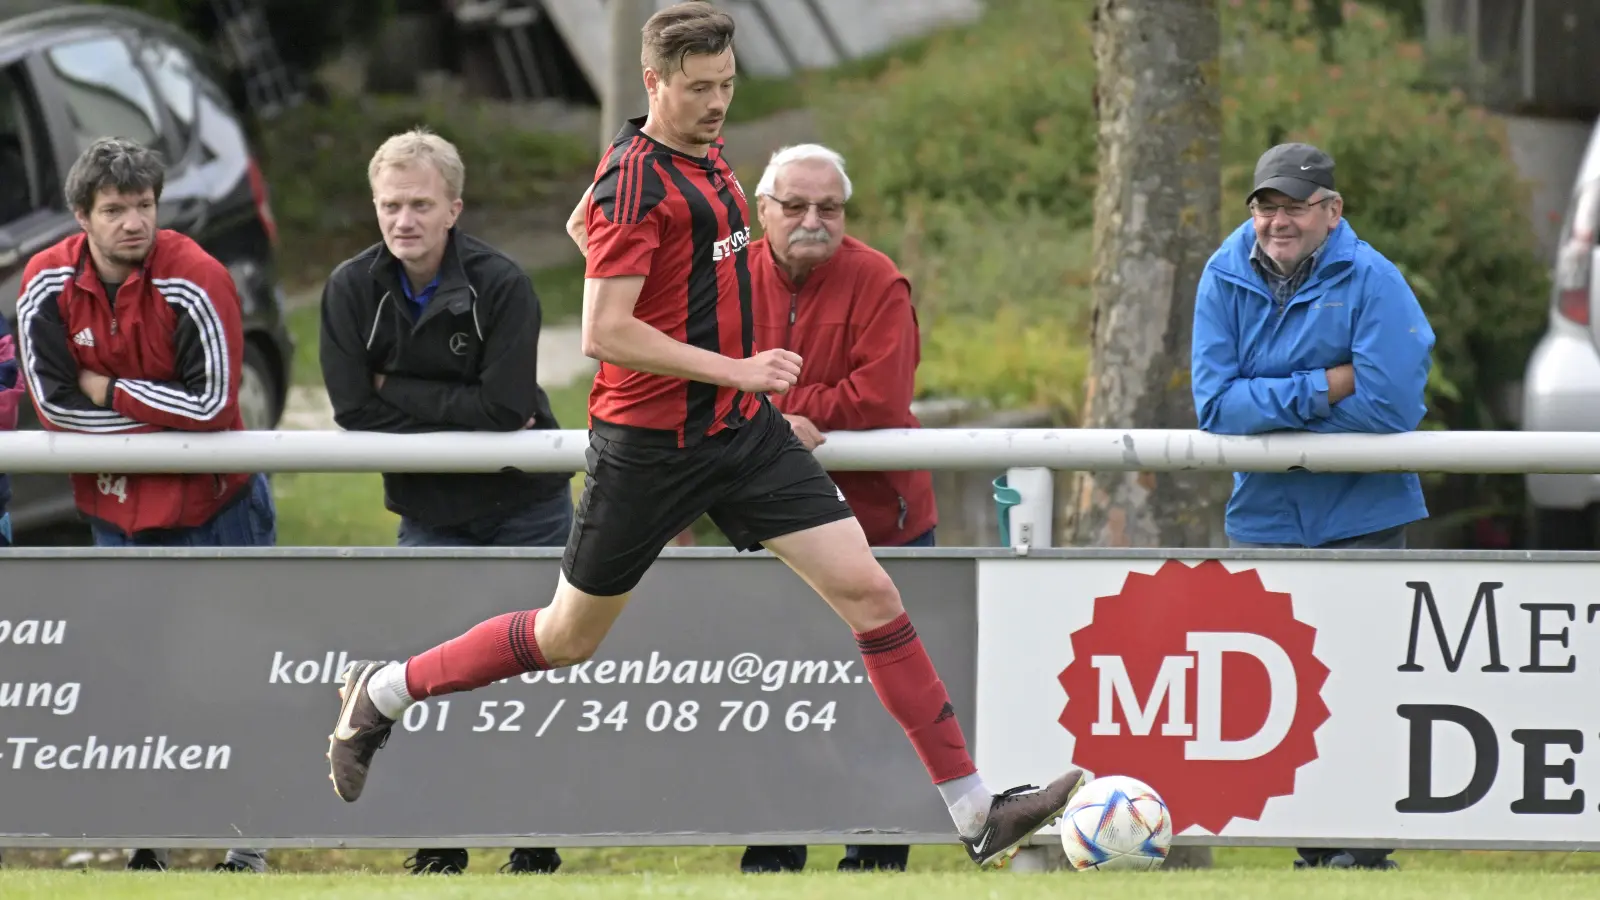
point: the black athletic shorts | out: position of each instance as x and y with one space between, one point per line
757 482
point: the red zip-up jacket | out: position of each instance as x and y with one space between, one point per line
173 345
855 329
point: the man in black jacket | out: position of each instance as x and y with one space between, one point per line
433 330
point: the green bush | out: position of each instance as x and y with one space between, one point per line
997 116
316 163
1427 180
1003 297
975 166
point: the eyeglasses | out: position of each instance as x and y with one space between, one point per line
1295 210
797 209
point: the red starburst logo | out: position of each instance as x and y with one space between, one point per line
1202 684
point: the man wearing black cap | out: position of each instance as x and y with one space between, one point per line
1299 325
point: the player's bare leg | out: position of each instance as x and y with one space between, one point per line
374 694
837 562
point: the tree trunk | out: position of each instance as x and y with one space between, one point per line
622 94
1157 221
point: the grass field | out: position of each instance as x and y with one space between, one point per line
1234 883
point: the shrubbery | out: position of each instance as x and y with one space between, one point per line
975 167
316 160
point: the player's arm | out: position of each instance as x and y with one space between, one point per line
48 366
626 221
208 348
612 334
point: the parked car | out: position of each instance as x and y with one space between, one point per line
72 74
1561 388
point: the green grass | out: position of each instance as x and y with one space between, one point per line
560 290
1223 884
315 159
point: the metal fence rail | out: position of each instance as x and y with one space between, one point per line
889 449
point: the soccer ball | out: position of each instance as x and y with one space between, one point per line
1116 822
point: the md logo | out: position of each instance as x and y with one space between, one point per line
1201 683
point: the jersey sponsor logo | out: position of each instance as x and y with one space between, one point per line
728 246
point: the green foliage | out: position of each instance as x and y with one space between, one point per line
996 116
1427 180
1004 298
316 160
974 167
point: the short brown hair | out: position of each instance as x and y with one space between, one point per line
126 165
684 29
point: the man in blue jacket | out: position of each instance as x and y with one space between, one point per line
1299 325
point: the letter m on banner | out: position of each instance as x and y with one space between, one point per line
1116 688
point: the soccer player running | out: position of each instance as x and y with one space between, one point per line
680 425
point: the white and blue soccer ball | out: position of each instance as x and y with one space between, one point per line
1116 822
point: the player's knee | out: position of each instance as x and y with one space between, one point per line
872 597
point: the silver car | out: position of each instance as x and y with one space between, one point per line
1561 388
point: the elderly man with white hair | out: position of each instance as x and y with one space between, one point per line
846 310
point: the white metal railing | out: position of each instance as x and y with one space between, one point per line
930 448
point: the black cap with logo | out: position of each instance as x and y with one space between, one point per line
1294 169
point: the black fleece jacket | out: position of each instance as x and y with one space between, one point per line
467 362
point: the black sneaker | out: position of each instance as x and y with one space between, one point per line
767 859
437 862
360 731
146 861
875 858
232 865
532 861
1349 859
1016 814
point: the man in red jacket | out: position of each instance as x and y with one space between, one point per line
127 328
846 309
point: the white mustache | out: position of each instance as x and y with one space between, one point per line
803 235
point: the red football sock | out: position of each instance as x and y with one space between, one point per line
910 689
498 648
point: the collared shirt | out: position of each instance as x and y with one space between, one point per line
1284 286
419 302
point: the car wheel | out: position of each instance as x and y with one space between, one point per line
258 391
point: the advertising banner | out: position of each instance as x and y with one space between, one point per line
1363 701
187 701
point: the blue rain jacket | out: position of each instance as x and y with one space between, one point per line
1257 368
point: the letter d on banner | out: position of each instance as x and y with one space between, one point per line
1209 646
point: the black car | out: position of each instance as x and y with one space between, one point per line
73 74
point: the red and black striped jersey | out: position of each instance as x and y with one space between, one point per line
683 223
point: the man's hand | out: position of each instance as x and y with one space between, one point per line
94 386
575 223
377 381
770 371
807 432
1341 382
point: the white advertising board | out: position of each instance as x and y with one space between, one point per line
1363 701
